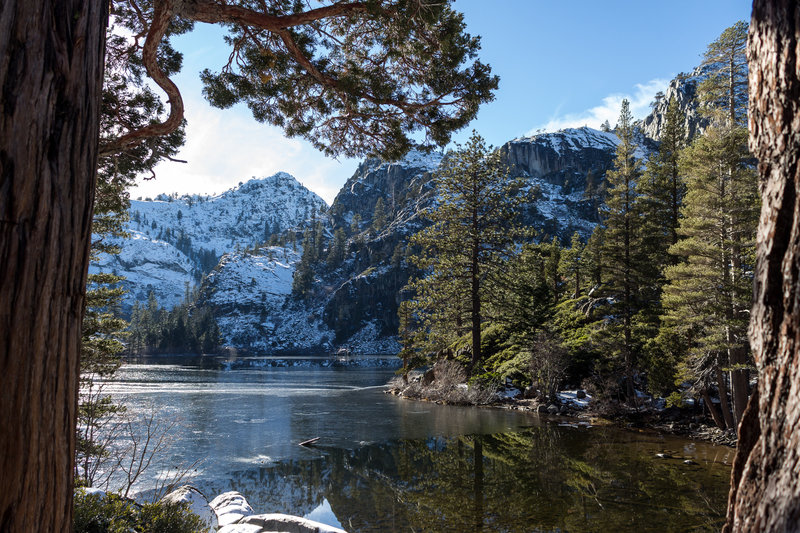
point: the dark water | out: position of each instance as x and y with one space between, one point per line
385 464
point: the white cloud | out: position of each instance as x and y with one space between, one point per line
643 95
224 147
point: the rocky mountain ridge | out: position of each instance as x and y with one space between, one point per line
352 301
175 240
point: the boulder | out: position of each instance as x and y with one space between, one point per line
541 408
581 394
197 503
428 377
263 523
230 507
552 409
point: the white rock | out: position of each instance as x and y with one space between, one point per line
197 504
230 508
284 523
240 528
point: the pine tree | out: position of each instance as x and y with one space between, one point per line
662 186
621 247
573 265
552 267
708 295
725 67
594 256
474 227
379 216
722 213
355 224
336 249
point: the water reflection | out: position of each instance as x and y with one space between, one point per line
391 465
539 479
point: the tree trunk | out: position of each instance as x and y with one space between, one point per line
765 481
51 68
724 406
739 382
712 409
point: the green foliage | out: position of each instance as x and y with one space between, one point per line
709 293
379 216
186 328
623 254
111 513
358 83
724 89
337 248
472 235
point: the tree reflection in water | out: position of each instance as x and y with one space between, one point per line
541 478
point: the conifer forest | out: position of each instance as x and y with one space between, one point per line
590 326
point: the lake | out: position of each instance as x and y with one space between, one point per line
387 464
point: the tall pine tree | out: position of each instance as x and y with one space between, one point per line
709 295
622 250
473 231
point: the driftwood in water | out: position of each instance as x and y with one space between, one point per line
309 442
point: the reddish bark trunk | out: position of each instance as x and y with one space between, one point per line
724 406
765 484
51 66
712 409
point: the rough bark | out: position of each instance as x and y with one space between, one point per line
765 491
51 64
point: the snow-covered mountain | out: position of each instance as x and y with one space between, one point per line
175 240
353 300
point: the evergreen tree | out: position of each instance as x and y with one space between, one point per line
594 256
708 295
622 251
379 216
572 265
336 249
721 215
662 187
473 231
551 267
304 273
725 67
102 332
355 224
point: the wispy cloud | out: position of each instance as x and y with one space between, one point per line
225 147
640 99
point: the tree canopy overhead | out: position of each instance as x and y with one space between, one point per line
352 77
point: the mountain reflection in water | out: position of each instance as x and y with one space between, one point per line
386 464
542 478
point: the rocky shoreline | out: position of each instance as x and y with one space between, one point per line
571 406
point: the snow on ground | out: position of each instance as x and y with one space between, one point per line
367 340
148 264
240 216
570 397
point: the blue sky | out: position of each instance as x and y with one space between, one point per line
561 64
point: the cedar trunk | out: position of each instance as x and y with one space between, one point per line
765 482
51 67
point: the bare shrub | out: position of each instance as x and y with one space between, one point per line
136 443
450 386
549 360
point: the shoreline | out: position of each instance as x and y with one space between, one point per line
672 421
